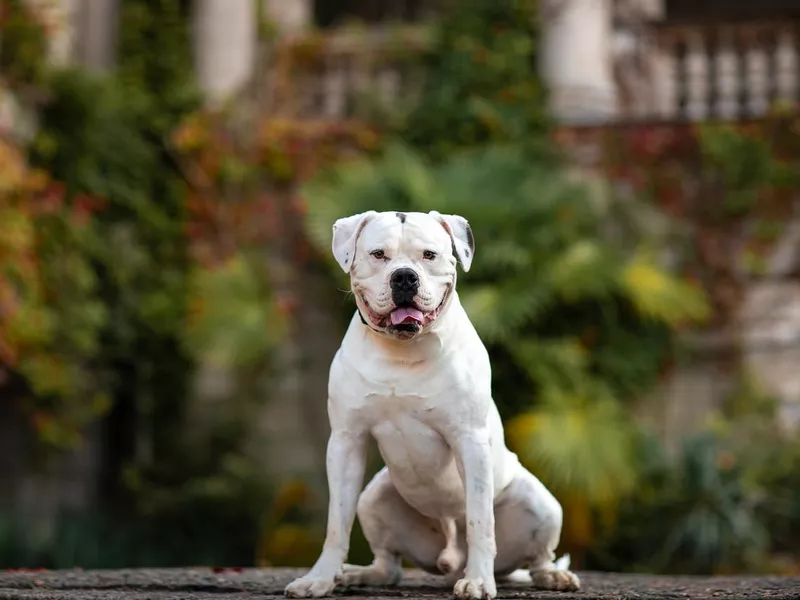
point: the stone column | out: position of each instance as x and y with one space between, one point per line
225 36
97 34
576 59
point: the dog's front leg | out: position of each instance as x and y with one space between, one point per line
474 452
346 459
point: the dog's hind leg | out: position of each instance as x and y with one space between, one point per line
394 531
528 527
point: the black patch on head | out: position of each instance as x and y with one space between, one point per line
401 216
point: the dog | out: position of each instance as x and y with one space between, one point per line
413 373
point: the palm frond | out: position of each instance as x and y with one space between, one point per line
578 445
658 296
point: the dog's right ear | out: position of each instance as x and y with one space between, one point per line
345 236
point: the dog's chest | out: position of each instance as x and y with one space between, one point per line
408 436
412 444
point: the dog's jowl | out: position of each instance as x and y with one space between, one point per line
413 373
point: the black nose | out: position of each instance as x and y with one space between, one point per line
405 280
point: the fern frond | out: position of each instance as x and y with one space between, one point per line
583 269
560 364
498 310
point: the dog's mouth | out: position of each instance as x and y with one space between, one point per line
408 314
405 320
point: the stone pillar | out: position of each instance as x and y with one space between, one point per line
225 36
97 31
576 59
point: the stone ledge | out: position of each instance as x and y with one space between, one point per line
206 584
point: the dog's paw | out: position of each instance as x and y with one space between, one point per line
310 587
556 580
475 589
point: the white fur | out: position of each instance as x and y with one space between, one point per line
451 498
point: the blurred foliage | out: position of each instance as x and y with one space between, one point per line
730 188
104 136
691 513
108 309
481 83
23 44
51 318
724 503
286 538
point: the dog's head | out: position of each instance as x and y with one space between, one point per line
402 266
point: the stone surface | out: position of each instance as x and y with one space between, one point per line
205 583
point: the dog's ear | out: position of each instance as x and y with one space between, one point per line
345 236
459 230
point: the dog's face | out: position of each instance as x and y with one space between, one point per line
402 266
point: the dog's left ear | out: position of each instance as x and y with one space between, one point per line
461 234
345 236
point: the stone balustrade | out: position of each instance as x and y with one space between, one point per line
725 71
695 73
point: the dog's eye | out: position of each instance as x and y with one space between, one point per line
429 255
379 254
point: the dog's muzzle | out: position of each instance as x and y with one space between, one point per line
406 318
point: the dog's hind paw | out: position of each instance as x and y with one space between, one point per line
556 579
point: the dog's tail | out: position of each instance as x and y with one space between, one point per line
524 576
518 576
562 564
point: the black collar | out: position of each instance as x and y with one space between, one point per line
365 322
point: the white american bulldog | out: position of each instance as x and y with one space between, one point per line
413 373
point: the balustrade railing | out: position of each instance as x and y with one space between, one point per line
726 71
693 72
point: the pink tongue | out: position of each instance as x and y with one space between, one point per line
406 314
